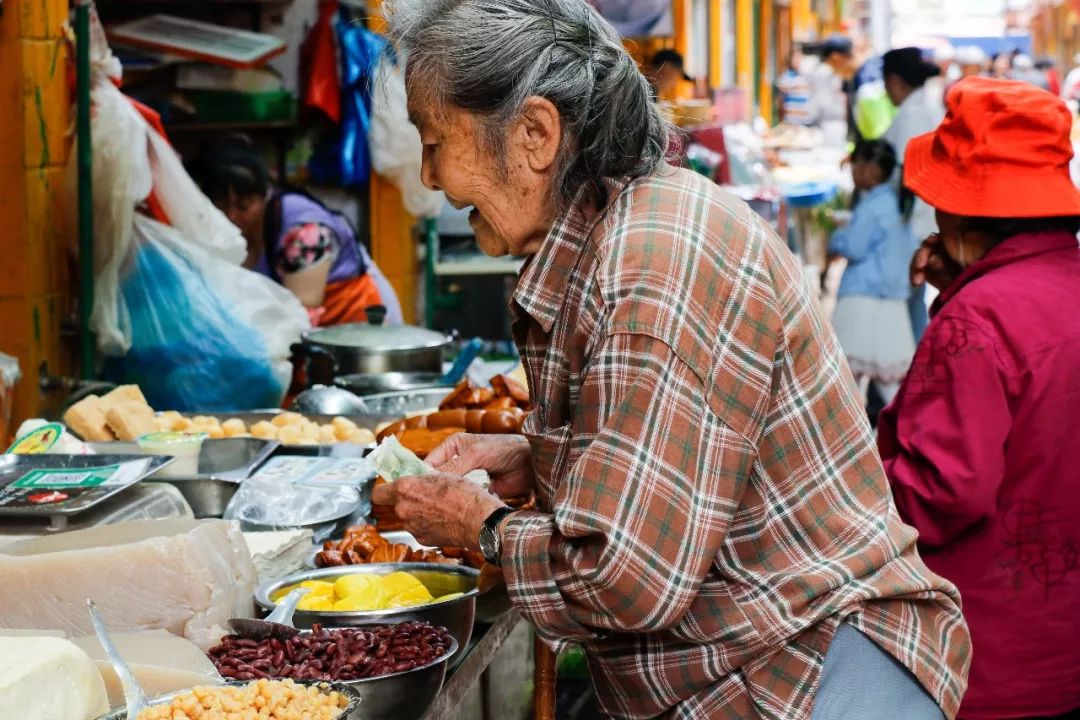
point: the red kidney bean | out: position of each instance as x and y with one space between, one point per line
344 654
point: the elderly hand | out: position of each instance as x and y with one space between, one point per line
440 510
506 458
931 264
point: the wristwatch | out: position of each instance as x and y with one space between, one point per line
490 542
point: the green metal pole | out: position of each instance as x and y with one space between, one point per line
85 165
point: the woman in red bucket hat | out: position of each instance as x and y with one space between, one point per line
980 443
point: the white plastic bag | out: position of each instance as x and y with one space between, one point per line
395 142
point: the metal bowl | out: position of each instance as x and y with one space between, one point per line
405 695
457 615
365 384
401 403
350 712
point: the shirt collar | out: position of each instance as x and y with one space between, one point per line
542 284
1015 249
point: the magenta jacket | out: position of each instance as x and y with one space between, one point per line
982 448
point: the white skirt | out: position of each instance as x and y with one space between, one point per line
876 336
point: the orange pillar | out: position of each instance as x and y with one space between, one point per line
393 246
36 290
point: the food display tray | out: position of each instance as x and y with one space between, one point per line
71 477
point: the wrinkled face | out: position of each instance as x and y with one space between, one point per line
509 190
244 211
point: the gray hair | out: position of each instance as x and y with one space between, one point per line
489 57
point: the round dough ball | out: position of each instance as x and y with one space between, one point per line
343 422
205 421
327 435
214 432
289 435
182 425
362 436
264 430
170 415
287 418
233 427
163 423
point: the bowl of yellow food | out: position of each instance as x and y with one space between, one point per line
269 699
380 593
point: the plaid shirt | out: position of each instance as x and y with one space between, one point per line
711 505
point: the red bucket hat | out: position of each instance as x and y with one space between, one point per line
1003 151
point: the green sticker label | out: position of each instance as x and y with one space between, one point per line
67 477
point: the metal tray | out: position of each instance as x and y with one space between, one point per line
16 502
395 404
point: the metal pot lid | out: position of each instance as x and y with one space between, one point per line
377 338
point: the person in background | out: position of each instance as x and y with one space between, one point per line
1049 69
1001 64
796 94
919 112
972 61
1070 89
296 240
871 318
666 69
1023 69
980 443
869 111
948 73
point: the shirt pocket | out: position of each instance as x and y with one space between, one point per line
550 451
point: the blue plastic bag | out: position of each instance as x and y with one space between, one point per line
191 347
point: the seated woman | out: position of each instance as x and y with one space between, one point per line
980 444
296 240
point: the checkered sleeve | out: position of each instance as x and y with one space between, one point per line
641 511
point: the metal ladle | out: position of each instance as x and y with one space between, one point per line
134 697
277 624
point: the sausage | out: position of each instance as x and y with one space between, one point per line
482 397
391 429
416 422
458 397
474 421
508 386
447 418
500 422
501 403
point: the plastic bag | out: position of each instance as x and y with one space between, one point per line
193 322
395 142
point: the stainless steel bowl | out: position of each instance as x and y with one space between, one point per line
350 712
397 404
405 695
457 615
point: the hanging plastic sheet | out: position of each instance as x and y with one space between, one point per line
344 158
322 91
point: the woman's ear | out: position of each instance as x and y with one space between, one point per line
539 133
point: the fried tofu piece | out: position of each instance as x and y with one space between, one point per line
123 395
130 420
87 419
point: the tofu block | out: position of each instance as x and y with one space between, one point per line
185 576
160 661
130 420
279 553
123 395
87 419
48 678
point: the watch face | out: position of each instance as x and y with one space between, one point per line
489 545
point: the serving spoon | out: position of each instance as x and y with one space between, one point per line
134 697
278 624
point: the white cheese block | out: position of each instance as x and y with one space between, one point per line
47 678
160 661
185 576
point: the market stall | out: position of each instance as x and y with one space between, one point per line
122 504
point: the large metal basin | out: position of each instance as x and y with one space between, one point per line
457 615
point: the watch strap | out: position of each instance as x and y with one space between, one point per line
491 527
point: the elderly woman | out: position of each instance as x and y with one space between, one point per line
980 445
713 525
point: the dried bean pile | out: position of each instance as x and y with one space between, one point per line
344 654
